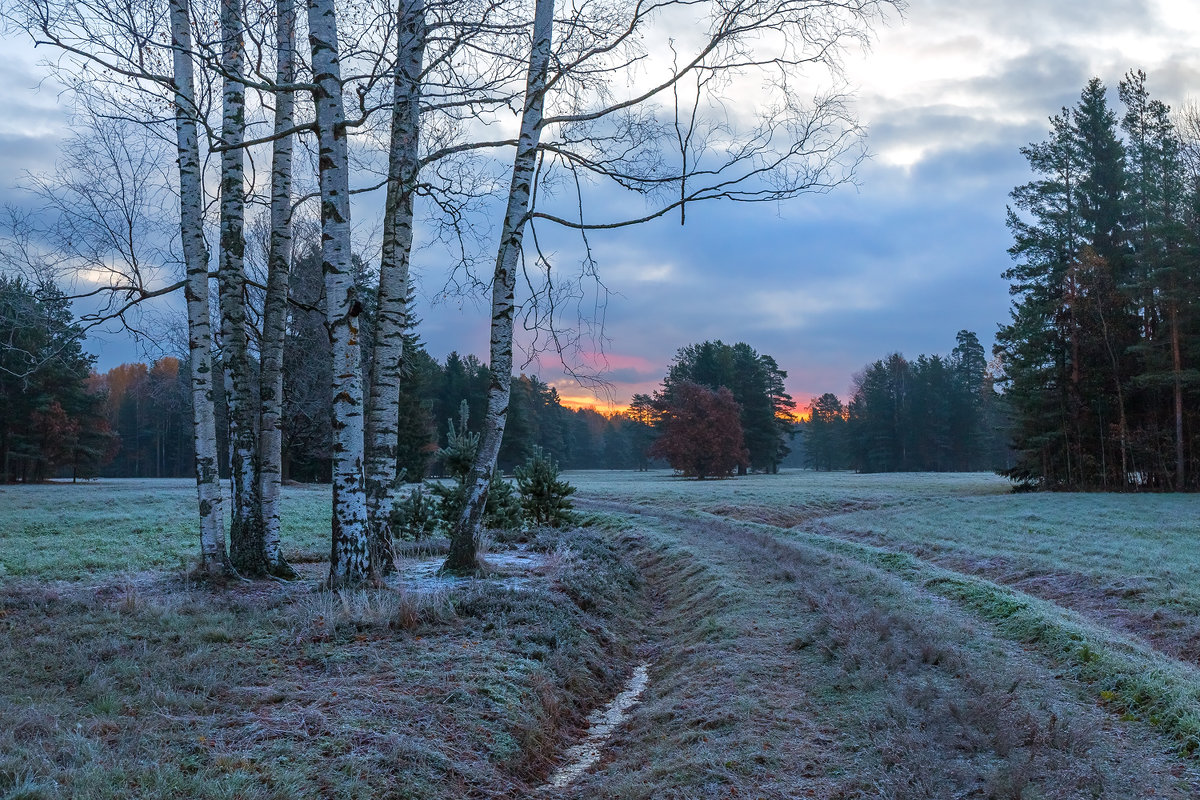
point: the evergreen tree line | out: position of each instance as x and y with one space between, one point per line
935 414
1100 356
432 394
147 407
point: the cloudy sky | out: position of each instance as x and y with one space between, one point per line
826 283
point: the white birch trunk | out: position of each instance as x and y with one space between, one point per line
392 318
245 537
349 556
214 559
462 556
270 441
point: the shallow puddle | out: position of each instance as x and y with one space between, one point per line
421 574
601 723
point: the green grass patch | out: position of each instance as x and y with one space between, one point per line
75 532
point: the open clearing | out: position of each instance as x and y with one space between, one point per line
806 635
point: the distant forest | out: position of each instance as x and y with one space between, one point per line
61 418
932 414
147 407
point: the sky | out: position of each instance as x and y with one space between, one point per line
825 284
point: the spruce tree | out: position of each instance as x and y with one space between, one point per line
1065 349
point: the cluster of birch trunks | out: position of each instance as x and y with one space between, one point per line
673 102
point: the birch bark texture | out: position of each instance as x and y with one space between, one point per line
463 544
392 318
349 551
213 556
279 255
245 536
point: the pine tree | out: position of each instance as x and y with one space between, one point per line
1158 276
967 426
1066 347
49 418
824 437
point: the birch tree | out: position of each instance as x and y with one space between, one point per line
131 61
436 91
349 562
392 316
195 253
270 450
463 539
245 535
594 134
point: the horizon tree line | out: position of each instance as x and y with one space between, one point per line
930 414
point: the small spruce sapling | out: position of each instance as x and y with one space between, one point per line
503 510
545 498
457 456
415 517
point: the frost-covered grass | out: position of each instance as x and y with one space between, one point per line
1130 560
790 489
64 531
1105 586
269 691
1132 535
828 635
794 665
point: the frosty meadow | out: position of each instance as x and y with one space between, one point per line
806 634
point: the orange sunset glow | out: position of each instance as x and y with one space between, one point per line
588 401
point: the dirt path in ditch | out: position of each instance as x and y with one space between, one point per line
782 671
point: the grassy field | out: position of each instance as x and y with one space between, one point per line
1081 601
65 531
807 635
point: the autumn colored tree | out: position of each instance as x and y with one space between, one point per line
756 382
701 432
49 417
149 408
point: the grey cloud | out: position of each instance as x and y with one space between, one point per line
19 155
1038 21
630 375
901 264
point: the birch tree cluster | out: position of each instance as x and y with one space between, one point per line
458 134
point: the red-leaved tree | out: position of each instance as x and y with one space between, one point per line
701 432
